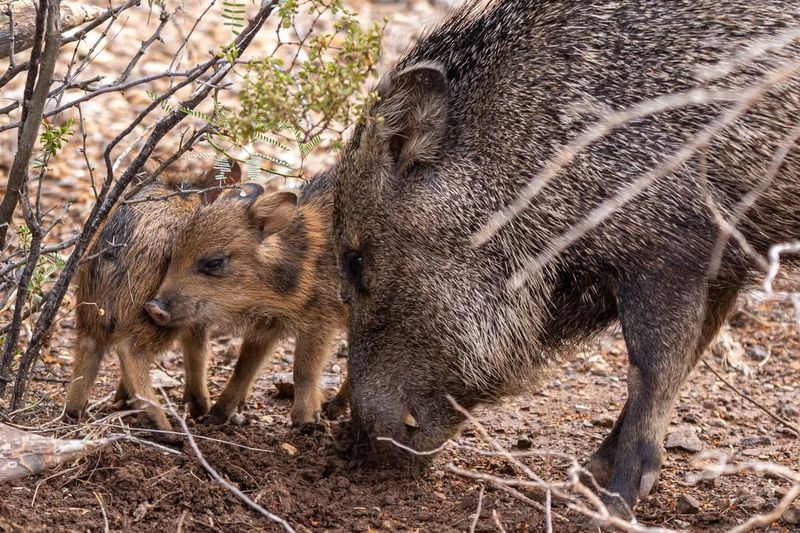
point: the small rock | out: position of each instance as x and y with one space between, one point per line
792 515
288 448
755 441
161 379
686 504
582 408
603 421
684 439
757 352
709 404
787 410
753 503
691 418
752 452
524 444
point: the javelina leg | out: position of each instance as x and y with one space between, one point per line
196 352
136 380
84 372
666 330
121 396
310 356
336 406
255 347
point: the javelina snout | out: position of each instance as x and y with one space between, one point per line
157 309
393 398
390 427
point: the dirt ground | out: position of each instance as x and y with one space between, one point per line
317 485
311 483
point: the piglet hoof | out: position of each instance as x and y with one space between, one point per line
335 408
169 438
71 416
218 415
198 407
121 398
309 428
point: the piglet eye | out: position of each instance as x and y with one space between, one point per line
214 265
354 270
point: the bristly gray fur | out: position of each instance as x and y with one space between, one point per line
471 114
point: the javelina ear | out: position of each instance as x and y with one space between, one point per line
413 110
210 181
272 212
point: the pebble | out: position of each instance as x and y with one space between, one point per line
288 448
753 503
691 418
752 452
603 421
755 441
757 352
792 515
686 504
787 410
524 444
161 379
684 439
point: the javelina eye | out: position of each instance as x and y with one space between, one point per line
354 270
214 265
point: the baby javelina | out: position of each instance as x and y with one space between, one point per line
261 263
116 287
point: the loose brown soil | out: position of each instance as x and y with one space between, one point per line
319 488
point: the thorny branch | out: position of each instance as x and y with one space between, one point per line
576 496
112 189
215 475
43 56
37 84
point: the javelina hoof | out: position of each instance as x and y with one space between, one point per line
167 438
309 428
198 406
121 398
335 408
157 430
218 415
601 469
71 416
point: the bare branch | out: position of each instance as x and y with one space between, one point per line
215 475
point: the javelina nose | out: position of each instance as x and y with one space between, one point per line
157 311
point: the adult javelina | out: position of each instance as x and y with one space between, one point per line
122 271
264 265
465 120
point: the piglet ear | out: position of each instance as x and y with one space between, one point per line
272 212
215 182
